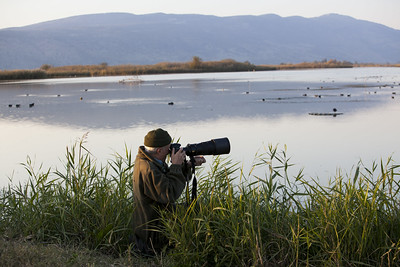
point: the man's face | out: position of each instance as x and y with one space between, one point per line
162 152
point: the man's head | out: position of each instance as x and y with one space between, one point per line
157 138
158 141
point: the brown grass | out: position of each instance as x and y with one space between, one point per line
194 66
29 253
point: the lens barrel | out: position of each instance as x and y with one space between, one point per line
217 146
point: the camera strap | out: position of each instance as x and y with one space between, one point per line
194 182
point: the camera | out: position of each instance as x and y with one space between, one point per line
213 147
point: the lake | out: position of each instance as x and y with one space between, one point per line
252 109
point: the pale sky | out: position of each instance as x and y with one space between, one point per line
15 13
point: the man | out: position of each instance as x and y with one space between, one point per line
156 186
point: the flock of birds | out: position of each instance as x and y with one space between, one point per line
334 113
31 105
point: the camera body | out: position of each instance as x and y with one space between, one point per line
217 146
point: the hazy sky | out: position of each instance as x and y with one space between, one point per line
15 13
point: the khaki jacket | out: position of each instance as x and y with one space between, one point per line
155 186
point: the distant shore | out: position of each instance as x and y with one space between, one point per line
47 71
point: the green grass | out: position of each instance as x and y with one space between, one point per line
239 219
83 204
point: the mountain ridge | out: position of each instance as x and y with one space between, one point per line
124 38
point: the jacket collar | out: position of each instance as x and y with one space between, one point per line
146 156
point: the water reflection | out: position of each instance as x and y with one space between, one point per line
99 104
252 109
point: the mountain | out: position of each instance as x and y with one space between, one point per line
122 38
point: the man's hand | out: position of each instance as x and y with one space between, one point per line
198 160
178 157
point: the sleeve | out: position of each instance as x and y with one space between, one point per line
165 187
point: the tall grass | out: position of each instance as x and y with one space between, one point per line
80 205
22 74
238 219
281 221
47 71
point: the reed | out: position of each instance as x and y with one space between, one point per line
282 221
47 71
83 204
238 219
22 74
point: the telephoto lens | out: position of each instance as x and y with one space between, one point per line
217 146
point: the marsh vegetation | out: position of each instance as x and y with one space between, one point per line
196 65
238 219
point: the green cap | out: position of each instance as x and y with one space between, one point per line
157 138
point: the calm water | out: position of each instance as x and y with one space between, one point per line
253 109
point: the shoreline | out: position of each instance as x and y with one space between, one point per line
47 71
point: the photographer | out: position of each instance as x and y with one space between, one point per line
156 186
